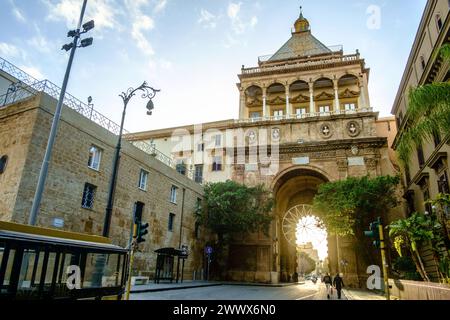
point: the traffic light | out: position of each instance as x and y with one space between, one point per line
141 232
374 233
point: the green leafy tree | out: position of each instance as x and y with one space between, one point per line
230 208
347 206
428 114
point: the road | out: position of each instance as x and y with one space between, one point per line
307 291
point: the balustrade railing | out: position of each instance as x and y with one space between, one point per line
301 64
303 116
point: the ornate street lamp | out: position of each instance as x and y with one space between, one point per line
147 93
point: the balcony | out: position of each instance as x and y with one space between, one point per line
304 116
302 64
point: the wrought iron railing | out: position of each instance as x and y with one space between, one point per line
27 86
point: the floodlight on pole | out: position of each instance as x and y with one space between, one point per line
75 34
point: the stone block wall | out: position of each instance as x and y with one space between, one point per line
26 126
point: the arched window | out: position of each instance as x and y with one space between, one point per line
439 22
3 162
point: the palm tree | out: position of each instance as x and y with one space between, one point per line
428 113
410 233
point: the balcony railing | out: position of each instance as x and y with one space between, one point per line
303 116
27 86
304 64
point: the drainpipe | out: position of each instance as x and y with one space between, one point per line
182 214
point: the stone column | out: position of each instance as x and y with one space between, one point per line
362 94
242 106
265 111
337 105
288 105
312 108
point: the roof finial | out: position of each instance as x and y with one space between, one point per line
301 12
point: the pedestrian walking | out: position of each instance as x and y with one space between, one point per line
328 283
338 283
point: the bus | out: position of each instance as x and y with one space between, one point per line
46 264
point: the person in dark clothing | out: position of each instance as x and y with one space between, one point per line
338 283
328 282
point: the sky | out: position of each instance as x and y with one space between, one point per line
192 50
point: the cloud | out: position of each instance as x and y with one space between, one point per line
141 23
160 6
104 12
237 25
18 14
33 71
207 19
10 51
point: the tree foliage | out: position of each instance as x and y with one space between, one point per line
428 114
231 208
306 263
346 206
410 233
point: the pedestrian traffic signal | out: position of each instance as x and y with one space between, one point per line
374 233
141 232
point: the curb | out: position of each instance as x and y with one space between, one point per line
175 288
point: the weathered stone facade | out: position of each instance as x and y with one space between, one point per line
305 119
24 128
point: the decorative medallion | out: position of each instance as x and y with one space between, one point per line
275 134
252 137
355 150
353 129
325 131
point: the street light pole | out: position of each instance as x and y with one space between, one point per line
148 93
54 129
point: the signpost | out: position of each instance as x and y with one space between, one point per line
209 251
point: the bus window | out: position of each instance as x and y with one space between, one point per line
50 267
9 264
27 270
95 264
111 275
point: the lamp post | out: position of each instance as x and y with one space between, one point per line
147 93
72 47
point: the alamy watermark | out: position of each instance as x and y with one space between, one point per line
374 281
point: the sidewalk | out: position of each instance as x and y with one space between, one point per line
354 294
167 286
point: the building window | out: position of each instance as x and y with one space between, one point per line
3 162
420 157
443 185
300 112
181 167
324 109
349 107
400 119
143 178
197 230
217 164
278 114
88 196
255 115
199 173
439 23
173 194
171 222
95 156
218 140
436 138
201 147
422 63
426 197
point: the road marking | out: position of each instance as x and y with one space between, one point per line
311 295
